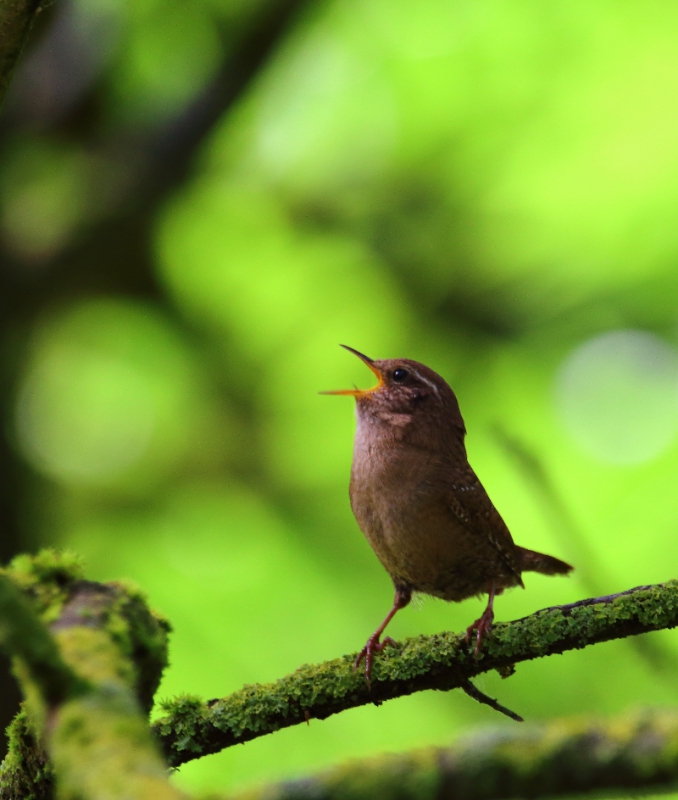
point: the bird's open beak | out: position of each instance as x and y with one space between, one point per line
370 364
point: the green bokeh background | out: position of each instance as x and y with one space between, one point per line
488 187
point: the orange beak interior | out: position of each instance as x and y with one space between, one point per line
370 364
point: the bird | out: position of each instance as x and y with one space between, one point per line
419 503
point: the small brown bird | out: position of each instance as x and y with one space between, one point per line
420 505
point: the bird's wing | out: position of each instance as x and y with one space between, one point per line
466 498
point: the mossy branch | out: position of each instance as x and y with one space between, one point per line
636 753
88 738
24 635
193 728
16 19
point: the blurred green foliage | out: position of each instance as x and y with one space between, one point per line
488 187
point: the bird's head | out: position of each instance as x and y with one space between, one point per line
404 387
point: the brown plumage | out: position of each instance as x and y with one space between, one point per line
420 505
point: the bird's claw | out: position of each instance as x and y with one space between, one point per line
482 626
372 646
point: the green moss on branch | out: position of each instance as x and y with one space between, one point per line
192 728
26 771
102 739
95 731
24 636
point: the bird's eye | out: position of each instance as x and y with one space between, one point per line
399 375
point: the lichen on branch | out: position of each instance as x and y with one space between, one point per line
193 728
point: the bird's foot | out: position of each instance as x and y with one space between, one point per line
482 626
373 646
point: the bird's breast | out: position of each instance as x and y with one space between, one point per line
394 498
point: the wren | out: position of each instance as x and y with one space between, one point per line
421 506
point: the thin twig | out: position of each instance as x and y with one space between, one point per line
475 693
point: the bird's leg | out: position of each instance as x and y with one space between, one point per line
403 595
483 624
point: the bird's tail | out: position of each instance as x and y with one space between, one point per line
531 561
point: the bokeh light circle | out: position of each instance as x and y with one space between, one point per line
83 418
617 395
109 397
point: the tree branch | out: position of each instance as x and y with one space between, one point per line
16 19
193 728
94 730
24 635
564 757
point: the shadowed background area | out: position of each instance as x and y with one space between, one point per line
199 201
